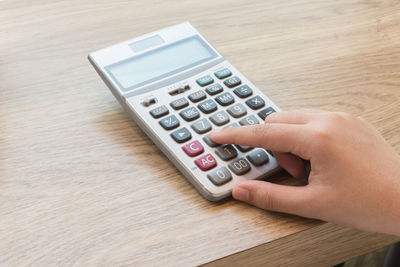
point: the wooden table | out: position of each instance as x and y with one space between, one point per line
81 184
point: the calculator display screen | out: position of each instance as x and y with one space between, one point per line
160 63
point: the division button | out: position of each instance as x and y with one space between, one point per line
237 110
207 106
221 74
169 122
226 152
190 114
159 111
205 80
206 162
266 112
232 82
220 118
214 89
194 148
181 135
197 96
249 120
179 103
258 157
201 126
225 99
255 102
243 91
207 139
239 166
220 176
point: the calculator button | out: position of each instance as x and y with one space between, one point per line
190 114
244 148
255 102
266 112
249 120
214 89
258 157
239 166
193 148
220 118
243 91
233 124
205 80
237 110
159 111
197 96
232 82
221 74
225 99
201 126
220 176
170 122
206 162
207 106
207 139
226 152
179 103
181 135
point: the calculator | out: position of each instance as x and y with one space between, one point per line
178 88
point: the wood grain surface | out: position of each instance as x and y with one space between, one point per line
81 184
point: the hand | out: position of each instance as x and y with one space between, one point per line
355 174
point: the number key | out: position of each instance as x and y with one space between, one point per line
239 166
226 152
201 126
237 110
220 176
249 120
220 118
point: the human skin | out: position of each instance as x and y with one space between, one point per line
355 174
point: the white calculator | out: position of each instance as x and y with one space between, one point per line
178 88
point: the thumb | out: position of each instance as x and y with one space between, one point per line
289 199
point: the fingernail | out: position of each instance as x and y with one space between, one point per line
241 193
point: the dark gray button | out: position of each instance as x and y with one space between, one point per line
233 124
159 111
220 118
179 103
266 112
197 96
209 141
249 120
244 148
201 126
207 106
190 114
237 110
255 102
232 82
220 176
226 152
258 157
169 122
181 135
239 166
214 89
225 99
243 91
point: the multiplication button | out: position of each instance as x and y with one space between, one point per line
179 103
239 166
255 102
232 82
243 91
207 106
220 176
169 122
201 126
181 135
225 99
159 111
190 114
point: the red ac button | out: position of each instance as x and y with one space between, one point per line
193 148
206 162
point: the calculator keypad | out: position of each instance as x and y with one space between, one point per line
224 104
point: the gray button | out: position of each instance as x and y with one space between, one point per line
220 176
201 126
233 124
244 148
225 99
190 114
220 118
237 110
239 166
209 141
181 135
208 106
226 152
159 112
258 157
249 120
179 103
170 122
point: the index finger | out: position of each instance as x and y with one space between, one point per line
290 138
